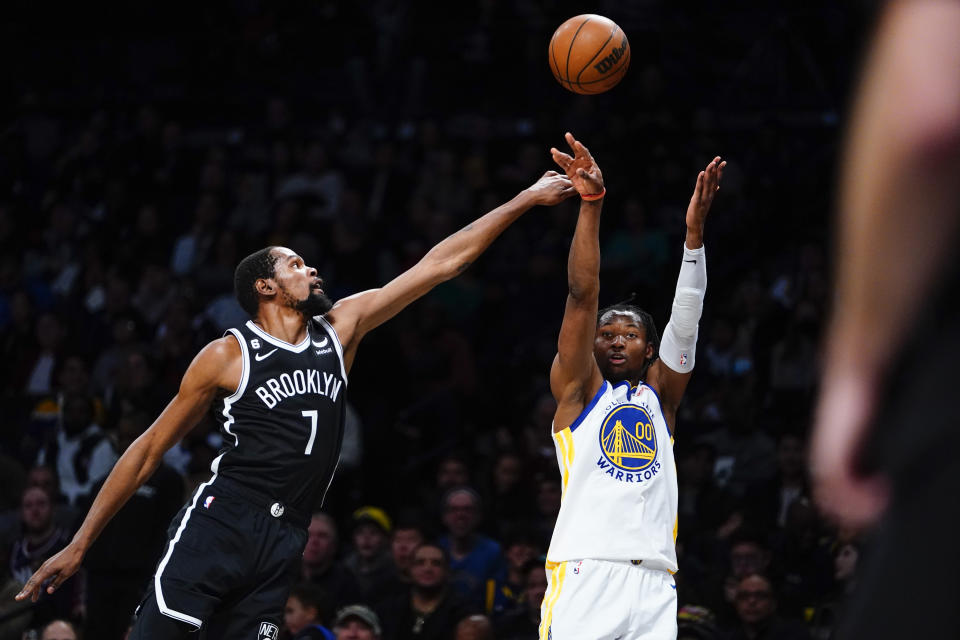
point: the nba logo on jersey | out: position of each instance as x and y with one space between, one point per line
268 631
208 501
683 359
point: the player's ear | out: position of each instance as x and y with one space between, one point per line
266 287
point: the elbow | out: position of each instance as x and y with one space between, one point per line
581 293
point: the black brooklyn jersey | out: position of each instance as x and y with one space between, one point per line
283 426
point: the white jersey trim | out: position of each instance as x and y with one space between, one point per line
336 344
277 342
227 402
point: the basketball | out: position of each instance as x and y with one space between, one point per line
589 54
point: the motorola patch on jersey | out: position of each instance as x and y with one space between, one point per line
268 631
276 509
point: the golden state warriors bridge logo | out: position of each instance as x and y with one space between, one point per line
629 444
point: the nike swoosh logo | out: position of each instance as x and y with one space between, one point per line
264 356
322 343
673 586
693 261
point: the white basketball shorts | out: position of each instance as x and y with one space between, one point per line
600 599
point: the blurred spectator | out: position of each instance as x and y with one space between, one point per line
826 615
509 496
431 609
44 477
371 561
408 534
357 622
756 605
549 492
768 502
40 366
804 560
40 539
319 564
80 451
520 549
306 610
475 627
452 471
14 616
122 559
696 623
476 561
316 183
61 630
193 248
524 621
72 377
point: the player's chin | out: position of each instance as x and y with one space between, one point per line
615 372
316 304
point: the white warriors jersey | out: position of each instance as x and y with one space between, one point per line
619 498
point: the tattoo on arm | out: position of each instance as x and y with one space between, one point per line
463 267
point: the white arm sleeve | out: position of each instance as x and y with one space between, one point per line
679 342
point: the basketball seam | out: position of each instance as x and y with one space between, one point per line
553 58
602 47
570 49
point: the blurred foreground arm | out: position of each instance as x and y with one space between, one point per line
899 208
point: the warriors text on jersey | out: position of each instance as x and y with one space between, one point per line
619 481
283 426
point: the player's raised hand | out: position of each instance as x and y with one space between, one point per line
552 188
581 168
56 569
708 183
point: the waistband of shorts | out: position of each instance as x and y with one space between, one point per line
651 565
259 501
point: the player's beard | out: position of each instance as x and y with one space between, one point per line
315 304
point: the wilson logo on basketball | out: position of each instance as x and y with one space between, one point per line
611 60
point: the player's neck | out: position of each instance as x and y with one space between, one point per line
283 323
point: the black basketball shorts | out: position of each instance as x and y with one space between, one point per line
227 569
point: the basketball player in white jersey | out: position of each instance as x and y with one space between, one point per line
617 390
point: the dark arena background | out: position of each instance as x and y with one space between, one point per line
144 151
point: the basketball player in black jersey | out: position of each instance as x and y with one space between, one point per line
278 387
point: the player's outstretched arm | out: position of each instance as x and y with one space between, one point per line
575 376
216 366
670 374
353 317
897 223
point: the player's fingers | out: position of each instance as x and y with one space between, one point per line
561 158
54 583
27 590
720 169
698 189
582 151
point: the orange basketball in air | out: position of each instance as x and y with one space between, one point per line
589 54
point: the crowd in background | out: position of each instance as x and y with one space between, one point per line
136 170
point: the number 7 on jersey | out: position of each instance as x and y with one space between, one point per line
312 414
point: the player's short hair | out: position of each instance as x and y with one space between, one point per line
259 264
649 327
